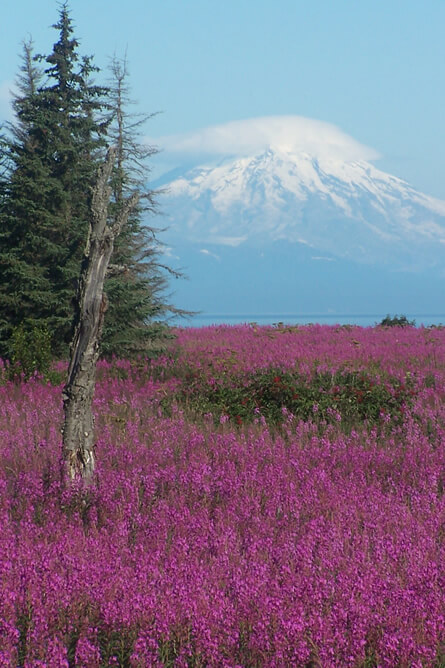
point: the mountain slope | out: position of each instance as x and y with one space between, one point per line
292 278
288 214
347 208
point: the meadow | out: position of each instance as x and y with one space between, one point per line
265 496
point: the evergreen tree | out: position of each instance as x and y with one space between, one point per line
51 154
48 166
25 211
136 293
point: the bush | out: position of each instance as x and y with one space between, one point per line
345 396
397 321
31 351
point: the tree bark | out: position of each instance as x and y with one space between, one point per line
91 304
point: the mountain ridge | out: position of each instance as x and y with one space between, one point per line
291 215
348 208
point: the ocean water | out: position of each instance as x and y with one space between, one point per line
363 320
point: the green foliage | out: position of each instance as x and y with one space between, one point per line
23 623
48 165
133 324
430 380
116 646
346 396
30 355
30 351
51 153
171 648
397 321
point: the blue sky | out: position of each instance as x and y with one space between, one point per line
375 69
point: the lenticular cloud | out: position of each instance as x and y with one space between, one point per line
287 133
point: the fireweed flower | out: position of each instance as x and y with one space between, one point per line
216 545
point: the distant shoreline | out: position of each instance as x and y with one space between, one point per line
363 320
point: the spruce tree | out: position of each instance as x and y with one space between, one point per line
25 212
136 292
51 152
48 164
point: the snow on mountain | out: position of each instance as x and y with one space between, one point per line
301 181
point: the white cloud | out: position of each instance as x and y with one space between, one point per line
287 133
228 241
168 252
204 251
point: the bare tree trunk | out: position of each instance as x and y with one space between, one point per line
78 429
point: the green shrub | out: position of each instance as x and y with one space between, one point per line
345 396
397 321
30 351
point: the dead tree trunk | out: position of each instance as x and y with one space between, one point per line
78 429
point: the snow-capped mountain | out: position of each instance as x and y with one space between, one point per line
346 208
287 214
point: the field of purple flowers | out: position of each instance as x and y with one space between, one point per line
265 496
